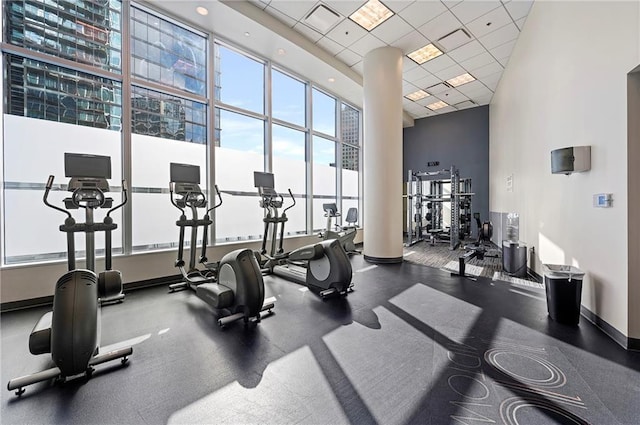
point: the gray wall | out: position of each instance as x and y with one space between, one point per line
458 138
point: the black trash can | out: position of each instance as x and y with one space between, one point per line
563 285
514 258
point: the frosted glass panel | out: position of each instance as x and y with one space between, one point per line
154 217
34 149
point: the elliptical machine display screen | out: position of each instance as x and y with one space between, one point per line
184 173
86 165
264 180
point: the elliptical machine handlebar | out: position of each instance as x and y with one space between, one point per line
125 198
47 188
173 201
219 200
290 206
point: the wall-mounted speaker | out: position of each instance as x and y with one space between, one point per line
575 159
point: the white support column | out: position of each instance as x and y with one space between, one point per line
383 155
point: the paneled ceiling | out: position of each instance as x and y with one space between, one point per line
490 30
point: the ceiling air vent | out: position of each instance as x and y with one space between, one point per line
322 18
454 39
438 88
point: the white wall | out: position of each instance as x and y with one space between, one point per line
565 85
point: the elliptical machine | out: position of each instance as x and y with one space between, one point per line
345 234
233 287
323 267
71 331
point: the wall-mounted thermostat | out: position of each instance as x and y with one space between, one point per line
602 200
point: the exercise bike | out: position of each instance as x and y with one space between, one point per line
323 267
345 234
233 287
71 331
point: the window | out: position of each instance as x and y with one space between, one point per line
288 98
33 150
239 80
165 53
290 169
86 31
324 113
239 152
324 178
165 129
49 92
168 117
350 157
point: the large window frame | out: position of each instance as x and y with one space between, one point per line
129 81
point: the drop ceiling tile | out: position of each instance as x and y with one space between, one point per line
408 87
344 7
518 9
438 64
427 81
293 9
260 3
392 29
451 72
483 100
489 22
359 67
467 51
346 33
504 61
440 26
287 20
407 64
366 44
477 61
406 103
473 88
445 110
410 42
398 5
451 3
437 89
520 23
467 11
489 69
310 33
349 57
330 46
500 36
465 104
503 51
426 101
452 97
421 12
415 74
492 80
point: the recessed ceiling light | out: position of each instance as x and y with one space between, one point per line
371 14
437 105
331 79
424 54
202 10
461 79
417 95
246 34
281 51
